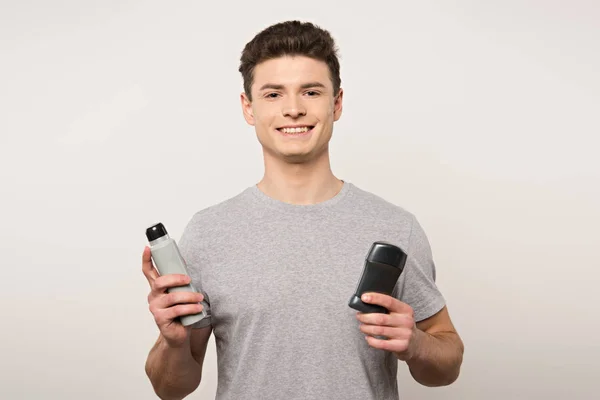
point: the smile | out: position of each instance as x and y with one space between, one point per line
296 130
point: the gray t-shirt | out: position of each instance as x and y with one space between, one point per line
278 278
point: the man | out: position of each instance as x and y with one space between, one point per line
278 263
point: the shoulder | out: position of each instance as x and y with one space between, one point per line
219 214
374 206
383 213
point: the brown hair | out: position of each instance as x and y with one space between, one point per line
290 38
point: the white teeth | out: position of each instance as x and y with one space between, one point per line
303 129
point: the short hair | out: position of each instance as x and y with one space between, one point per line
290 38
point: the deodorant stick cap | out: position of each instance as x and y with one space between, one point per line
156 231
386 253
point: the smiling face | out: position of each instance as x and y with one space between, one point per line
293 108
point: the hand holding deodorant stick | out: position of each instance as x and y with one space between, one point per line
168 260
383 265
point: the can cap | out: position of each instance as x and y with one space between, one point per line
156 231
387 253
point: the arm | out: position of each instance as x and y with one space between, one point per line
438 353
431 348
175 372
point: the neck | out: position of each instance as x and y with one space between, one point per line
303 183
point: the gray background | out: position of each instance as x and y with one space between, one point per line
480 117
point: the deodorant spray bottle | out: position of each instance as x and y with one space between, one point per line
168 260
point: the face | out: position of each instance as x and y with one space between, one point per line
293 108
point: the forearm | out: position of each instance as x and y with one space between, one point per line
173 372
437 359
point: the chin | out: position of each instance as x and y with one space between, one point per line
302 157
296 158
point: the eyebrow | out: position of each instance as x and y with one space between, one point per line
304 86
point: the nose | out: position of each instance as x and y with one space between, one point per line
293 108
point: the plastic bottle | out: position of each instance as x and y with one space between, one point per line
168 260
383 265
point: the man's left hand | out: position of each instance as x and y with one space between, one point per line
398 326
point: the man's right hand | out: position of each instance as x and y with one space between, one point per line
168 307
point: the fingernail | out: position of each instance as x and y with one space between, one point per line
366 297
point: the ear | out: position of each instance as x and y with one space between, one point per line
337 105
247 109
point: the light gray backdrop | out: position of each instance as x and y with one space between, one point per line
482 118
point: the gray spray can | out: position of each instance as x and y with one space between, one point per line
168 260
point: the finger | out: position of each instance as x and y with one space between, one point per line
162 283
392 304
394 345
387 331
393 319
175 298
183 309
167 315
147 268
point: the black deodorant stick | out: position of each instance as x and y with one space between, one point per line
383 265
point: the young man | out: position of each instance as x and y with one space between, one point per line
278 263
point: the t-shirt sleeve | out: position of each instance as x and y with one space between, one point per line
416 286
190 248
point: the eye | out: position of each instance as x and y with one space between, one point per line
312 93
272 95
